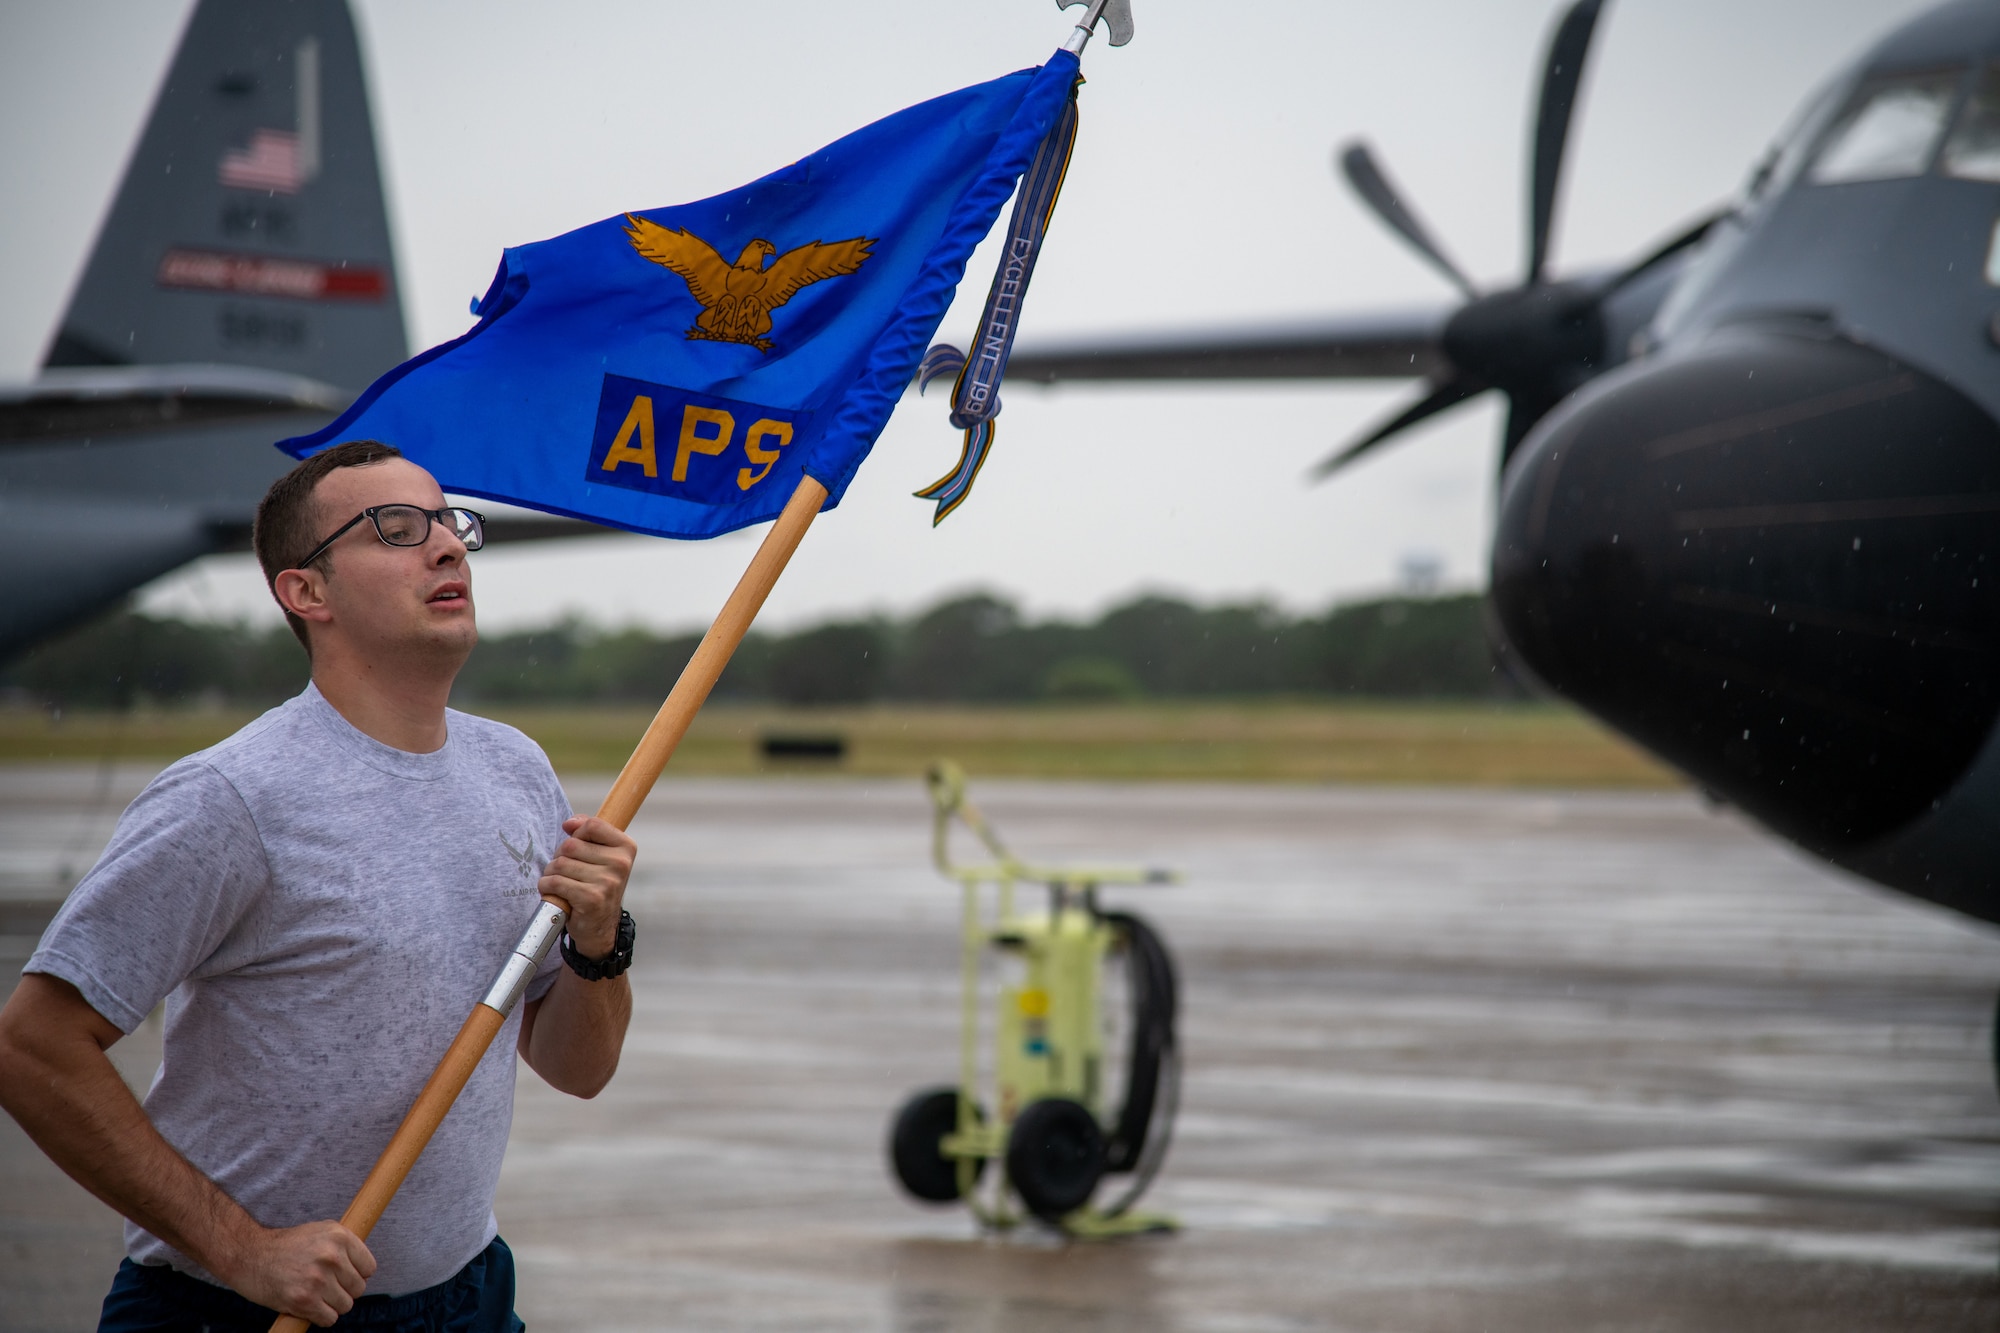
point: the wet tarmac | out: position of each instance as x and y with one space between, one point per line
1455 1061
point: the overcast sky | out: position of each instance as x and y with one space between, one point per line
1201 192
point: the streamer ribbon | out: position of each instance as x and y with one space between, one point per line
975 396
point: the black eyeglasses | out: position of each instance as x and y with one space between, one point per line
407 525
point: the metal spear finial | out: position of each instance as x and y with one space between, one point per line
1117 15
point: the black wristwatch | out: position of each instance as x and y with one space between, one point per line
613 964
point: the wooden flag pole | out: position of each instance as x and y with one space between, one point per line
657 746
627 794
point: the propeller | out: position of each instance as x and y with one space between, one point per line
1450 393
1369 181
1561 76
1536 342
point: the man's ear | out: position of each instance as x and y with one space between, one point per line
303 593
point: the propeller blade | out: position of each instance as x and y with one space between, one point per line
1441 396
1691 237
1561 76
1521 418
1358 165
1526 406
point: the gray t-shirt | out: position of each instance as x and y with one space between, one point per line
320 912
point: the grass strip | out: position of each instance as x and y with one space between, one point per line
1531 745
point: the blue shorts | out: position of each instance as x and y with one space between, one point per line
479 1298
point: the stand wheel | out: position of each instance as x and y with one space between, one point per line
1055 1157
914 1153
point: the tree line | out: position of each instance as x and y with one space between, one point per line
971 649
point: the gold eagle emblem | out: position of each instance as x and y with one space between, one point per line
737 299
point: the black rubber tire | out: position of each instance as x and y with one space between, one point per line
1055 1157
921 1169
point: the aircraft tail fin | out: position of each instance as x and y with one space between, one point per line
250 228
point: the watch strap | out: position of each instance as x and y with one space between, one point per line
614 963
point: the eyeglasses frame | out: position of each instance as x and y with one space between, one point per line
436 516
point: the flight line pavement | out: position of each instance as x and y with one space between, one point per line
1456 1060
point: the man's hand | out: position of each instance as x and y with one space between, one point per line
589 873
316 1271
572 1035
56 1080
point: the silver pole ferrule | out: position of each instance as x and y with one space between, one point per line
520 966
1081 37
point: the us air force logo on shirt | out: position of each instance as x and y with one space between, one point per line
528 863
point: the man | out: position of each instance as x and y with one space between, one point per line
319 900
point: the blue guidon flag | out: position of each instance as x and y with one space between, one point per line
675 371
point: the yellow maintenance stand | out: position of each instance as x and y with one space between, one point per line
1051 1131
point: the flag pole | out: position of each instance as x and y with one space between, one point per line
627 794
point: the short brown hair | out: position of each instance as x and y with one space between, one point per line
288 522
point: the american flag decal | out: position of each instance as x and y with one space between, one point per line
282 161
271 162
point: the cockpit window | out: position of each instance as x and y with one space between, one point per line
1889 130
1973 151
1780 165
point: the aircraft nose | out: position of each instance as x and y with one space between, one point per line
1767 560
